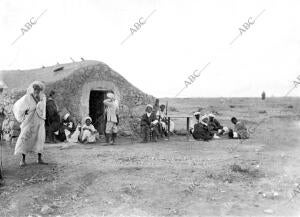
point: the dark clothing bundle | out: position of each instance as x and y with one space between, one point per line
52 114
65 125
201 132
52 122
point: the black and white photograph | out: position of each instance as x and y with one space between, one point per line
149 108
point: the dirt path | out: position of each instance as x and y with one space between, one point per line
176 178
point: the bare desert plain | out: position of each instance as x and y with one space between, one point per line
256 177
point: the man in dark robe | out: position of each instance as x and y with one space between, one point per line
200 130
214 125
52 123
149 125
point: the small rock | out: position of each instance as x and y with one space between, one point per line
269 211
46 210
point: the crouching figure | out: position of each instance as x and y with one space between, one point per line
240 131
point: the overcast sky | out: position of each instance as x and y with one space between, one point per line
179 37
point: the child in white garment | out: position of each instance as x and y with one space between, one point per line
89 133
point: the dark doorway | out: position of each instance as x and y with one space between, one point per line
97 109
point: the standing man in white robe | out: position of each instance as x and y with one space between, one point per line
30 110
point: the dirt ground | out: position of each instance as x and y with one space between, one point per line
257 177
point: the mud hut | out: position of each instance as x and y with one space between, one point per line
80 88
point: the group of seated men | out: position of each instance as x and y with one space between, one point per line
154 123
207 127
62 129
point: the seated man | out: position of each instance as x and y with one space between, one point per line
164 121
194 121
213 123
240 131
200 129
149 124
70 130
215 126
89 133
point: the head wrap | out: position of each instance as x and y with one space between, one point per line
149 106
39 84
203 117
87 118
197 113
110 95
211 115
66 116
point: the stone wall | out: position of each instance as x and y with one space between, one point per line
8 98
71 93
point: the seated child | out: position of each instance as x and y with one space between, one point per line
89 133
149 124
